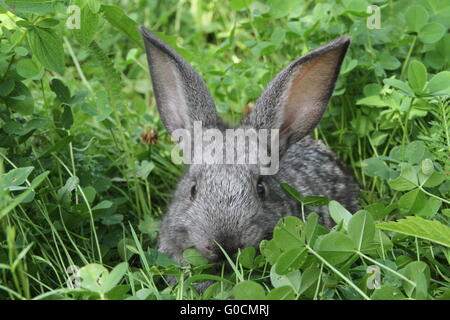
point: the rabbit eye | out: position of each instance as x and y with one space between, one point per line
193 191
261 189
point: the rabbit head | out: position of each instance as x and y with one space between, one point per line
233 205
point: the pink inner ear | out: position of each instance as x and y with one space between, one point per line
166 79
306 97
173 90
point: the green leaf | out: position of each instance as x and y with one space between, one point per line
39 7
240 4
415 152
361 229
90 194
398 84
427 167
432 33
339 213
309 278
435 179
270 250
203 277
89 24
15 127
348 66
355 6
313 229
67 117
416 17
277 36
114 277
47 47
15 177
118 19
290 260
387 293
281 293
194 257
247 257
160 259
29 69
378 138
292 192
389 61
65 192
105 204
335 247
282 8
376 167
6 87
418 227
315 201
24 24
263 48
407 179
417 75
439 83
419 273
47 23
20 99
61 90
382 243
287 233
377 210
375 101
434 59
149 225
430 208
249 290
94 5
101 110
34 184
292 279
144 168
411 202
92 277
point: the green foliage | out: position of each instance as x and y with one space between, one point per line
418 227
85 169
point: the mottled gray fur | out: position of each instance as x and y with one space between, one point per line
223 203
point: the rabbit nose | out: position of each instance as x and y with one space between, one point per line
228 243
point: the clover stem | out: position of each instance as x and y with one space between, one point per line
405 64
385 267
354 286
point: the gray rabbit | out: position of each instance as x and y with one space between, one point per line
234 205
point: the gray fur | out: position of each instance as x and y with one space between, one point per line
200 105
227 208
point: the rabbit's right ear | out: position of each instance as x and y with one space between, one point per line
296 99
181 95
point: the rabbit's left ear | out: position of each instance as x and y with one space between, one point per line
181 94
296 99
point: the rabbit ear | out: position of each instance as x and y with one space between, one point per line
181 95
296 99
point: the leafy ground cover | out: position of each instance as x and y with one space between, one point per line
85 169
